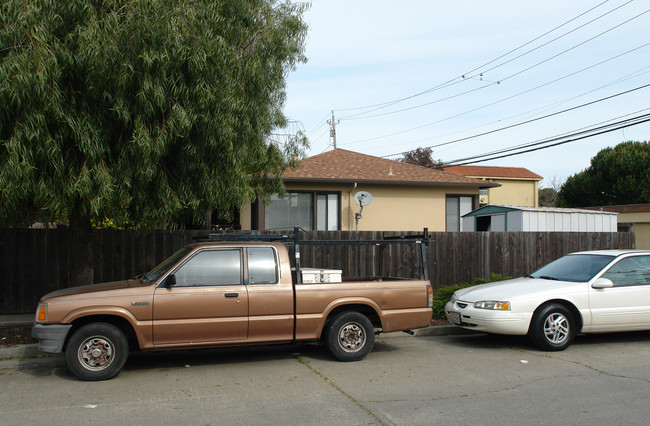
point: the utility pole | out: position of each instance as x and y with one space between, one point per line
333 123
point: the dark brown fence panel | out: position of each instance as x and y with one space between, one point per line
34 262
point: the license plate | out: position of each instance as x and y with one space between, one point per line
454 317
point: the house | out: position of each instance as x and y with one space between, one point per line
632 218
404 196
518 186
538 219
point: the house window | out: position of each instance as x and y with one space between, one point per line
327 212
308 210
293 210
457 206
625 227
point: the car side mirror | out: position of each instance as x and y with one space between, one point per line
170 281
602 283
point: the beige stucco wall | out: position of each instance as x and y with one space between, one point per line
641 227
513 192
393 207
245 216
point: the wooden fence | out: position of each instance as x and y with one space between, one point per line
35 261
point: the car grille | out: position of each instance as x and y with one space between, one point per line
461 305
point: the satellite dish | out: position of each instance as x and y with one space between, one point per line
362 198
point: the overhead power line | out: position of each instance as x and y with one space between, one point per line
362 116
499 100
530 114
521 123
552 142
475 72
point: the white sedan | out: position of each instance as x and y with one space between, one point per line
587 292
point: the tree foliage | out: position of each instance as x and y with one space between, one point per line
619 175
142 110
547 196
420 157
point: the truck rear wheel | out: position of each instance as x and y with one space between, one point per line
96 351
350 336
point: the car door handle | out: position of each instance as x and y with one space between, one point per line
232 295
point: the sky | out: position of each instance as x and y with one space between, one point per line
416 73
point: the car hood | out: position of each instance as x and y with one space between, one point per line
92 288
518 288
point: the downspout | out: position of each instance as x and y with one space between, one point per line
350 215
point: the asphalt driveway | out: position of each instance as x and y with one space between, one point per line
461 379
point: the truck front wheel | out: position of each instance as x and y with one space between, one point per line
96 351
350 336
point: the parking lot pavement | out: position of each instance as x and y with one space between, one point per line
461 379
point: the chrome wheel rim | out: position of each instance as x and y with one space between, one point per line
352 337
96 353
556 328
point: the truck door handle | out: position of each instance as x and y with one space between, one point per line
232 295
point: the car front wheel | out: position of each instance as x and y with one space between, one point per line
553 328
96 351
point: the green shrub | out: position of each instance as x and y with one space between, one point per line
442 295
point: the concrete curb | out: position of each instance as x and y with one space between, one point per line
434 330
20 351
442 330
16 319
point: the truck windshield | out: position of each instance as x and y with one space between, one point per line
574 267
160 270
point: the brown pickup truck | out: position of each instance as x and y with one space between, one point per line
211 294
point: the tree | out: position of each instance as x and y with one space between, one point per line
142 110
547 196
420 157
619 175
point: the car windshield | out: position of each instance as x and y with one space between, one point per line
574 267
160 270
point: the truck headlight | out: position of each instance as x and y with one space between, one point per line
493 305
41 312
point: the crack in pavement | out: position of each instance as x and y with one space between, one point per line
470 395
508 389
587 366
341 391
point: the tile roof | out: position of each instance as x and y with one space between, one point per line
492 172
341 165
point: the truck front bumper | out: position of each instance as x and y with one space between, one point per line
51 337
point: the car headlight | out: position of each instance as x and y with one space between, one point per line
453 298
493 305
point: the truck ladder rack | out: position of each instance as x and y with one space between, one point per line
294 239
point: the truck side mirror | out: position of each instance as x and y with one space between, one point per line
170 281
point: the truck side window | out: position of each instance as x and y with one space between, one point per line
211 268
262 266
